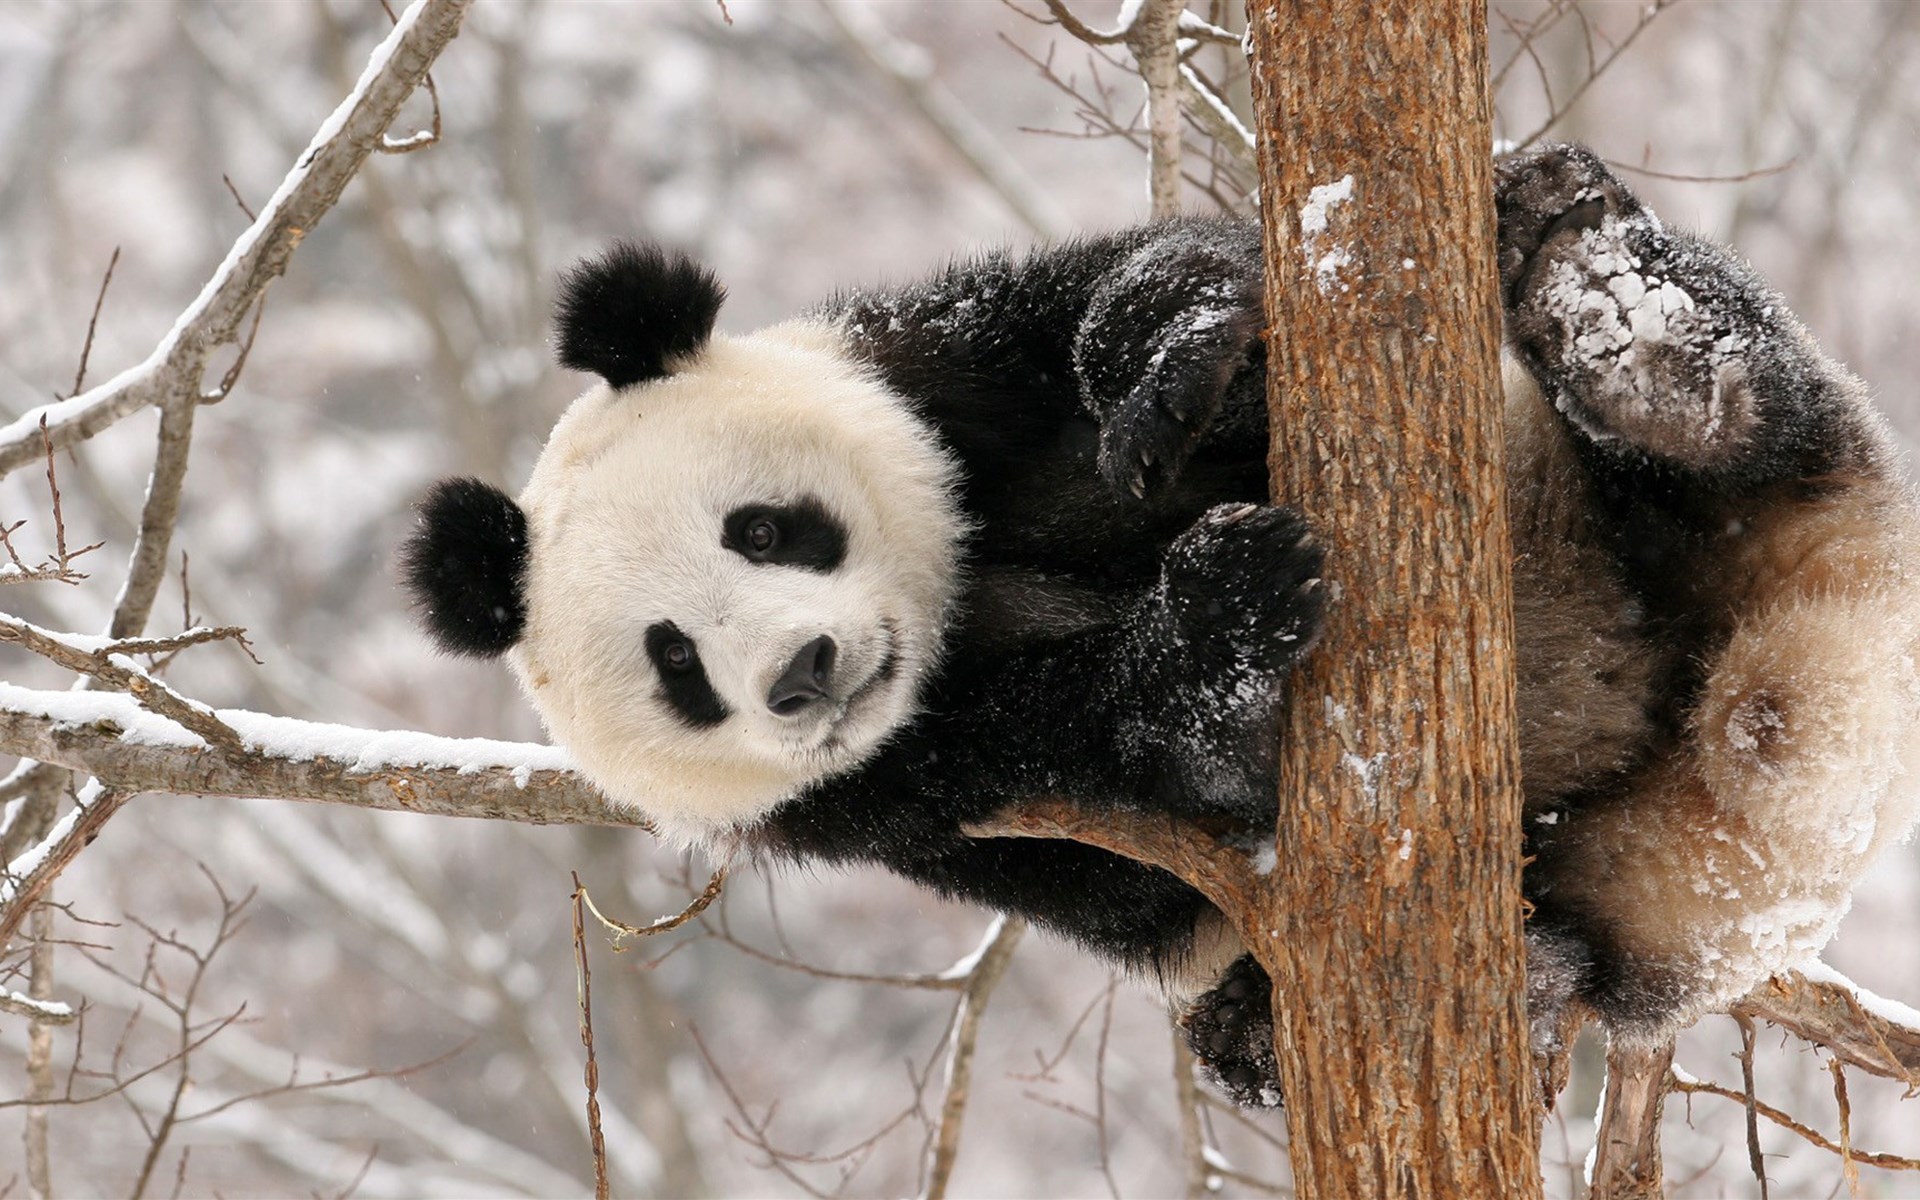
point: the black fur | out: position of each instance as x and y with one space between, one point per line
1106 399
802 534
626 315
683 678
465 565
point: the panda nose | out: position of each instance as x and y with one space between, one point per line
804 680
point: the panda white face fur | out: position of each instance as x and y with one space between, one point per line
730 570
719 610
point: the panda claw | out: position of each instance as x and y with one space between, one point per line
1138 485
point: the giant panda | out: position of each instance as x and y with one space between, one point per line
837 589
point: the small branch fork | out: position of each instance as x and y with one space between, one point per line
1529 34
59 568
621 930
111 664
170 377
1161 37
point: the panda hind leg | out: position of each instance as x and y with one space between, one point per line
1656 342
1229 1029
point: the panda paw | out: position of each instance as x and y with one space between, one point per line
1641 337
1148 436
1243 588
1546 200
1230 1032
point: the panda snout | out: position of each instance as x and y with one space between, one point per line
805 680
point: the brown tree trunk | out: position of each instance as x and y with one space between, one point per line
1393 921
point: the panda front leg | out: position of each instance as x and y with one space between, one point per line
1171 335
1656 343
1238 602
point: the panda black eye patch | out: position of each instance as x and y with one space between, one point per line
682 679
802 534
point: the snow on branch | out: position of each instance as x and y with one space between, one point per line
1875 1034
171 375
127 748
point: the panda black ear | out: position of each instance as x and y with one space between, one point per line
624 314
466 567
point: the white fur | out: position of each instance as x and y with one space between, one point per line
625 508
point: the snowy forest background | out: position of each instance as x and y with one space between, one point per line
795 151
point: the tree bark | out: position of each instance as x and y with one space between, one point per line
1392 924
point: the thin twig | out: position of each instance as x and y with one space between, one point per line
1743 177
1647 16
1686 1084
235 193
622 930
1755 1162
93 323
601 1188
907 67
425 137
1193 1138
1848 1167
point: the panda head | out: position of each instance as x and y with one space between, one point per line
729 574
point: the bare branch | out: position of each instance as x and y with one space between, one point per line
170 376
1194 1150
1826 1008
1848 1166
29 876
1627 1148
1221 872
93 323
60 566
103 663
1680 1081
909 70
1081 31
47 1012
1154 40
1647 16
40 1058
989 965
420 139
1742 177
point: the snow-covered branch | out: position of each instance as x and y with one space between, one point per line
171 376
1877 1035
127 748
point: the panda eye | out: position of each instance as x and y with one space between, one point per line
801 534
683 685
762 535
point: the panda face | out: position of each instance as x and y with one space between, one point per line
738 577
